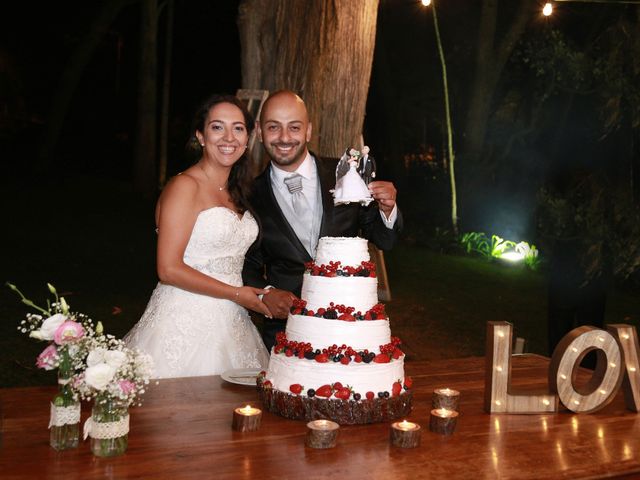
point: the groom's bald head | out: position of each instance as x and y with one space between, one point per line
284 129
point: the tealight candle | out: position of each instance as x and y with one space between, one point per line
443 421
246 419
405 434
445 398
322 434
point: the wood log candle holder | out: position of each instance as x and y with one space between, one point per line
246 419
405 434
445 398
322 434
443 421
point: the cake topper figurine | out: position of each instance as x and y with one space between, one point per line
367 166
350 186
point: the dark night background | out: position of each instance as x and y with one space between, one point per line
80 224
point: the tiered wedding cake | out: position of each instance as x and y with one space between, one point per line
337 358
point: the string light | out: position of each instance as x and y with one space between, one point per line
426 3
547 9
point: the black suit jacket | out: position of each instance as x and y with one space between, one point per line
277 257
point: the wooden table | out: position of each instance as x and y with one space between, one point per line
183 430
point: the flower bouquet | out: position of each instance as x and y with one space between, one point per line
91 365
115 378
68 334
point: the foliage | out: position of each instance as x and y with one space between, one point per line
530 254
478 243
602 223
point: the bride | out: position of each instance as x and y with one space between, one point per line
195 323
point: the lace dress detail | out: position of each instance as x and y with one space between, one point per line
188 334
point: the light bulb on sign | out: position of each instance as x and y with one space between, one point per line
547 9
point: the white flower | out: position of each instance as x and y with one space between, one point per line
48 327
99 376
115 358
96 356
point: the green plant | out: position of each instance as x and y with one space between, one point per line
476 242
479 243
499 245
530 255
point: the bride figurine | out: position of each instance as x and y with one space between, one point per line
350 187
196 322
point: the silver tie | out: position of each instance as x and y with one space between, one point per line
300 204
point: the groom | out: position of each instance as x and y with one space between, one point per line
294 208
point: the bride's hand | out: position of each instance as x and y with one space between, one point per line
248 298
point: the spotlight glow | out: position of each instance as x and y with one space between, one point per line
512 256
547 9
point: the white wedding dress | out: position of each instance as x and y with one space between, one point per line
188 334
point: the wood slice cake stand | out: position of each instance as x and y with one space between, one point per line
344 412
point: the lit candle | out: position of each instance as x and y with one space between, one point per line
445 398
405 434
443 421
322 434
246 419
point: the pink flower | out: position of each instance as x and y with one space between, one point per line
126 386
47 358
69 331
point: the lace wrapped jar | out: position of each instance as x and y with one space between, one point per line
64 420
108 427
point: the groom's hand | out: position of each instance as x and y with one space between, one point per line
385 194
278 302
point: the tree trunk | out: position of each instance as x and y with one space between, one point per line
70 79
326 61
166 88
144 167
491 56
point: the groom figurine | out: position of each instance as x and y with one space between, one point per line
367 166
294 208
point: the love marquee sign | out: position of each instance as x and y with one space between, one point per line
617 365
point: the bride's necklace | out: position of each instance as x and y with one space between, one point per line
223 187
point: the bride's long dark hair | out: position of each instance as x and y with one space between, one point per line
240 177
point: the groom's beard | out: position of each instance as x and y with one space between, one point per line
297 154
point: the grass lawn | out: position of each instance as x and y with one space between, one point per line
94 240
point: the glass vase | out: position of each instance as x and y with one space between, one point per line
110 427
64 420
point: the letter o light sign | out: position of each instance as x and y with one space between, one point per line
603 386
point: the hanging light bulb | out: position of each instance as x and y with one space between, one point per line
426 3
547 9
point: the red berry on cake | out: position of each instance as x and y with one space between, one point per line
397 353
396 389
337 386
296 388
267 384
345 360
322 358
324 391
343 393
370 395
408 382
381 358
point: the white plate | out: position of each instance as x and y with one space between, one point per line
241 376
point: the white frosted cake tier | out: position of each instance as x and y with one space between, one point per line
322 333
360 293
362 377
349 251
